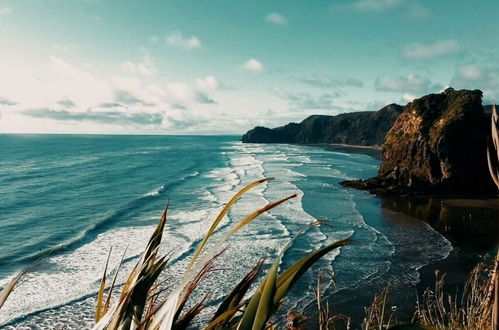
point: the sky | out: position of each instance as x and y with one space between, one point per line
225 66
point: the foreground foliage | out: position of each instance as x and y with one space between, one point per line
137 306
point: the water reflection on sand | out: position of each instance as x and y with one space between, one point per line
471 224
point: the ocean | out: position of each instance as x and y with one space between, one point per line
65 200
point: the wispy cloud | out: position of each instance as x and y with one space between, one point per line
471 72
430 51
67 97
475 76
5 11
307 101
410 9
328 81
66 103
177 39
375 5
111 105
4 101
208 83
146 66
276 18
204 98
411 84
183 93
126 97
253 65
108 117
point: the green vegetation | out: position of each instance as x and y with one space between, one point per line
138 306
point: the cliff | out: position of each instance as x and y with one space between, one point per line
357 128
436 146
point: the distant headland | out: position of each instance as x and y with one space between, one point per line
365 128
433 145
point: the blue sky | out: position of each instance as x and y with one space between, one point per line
222 67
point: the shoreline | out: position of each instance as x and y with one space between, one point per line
355 146
373 151
469 223
471 241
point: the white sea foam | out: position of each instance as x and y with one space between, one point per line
76 274
66 277
209 196
155 191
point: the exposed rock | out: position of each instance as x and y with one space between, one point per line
436 146
365 128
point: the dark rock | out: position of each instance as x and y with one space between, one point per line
436 146
365 128
261 134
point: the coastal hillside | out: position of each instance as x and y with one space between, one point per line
437 145
367 128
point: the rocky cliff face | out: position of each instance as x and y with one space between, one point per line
437 145
358 128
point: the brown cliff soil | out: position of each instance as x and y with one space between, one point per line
436 146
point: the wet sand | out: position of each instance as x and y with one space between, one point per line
470 224
373 151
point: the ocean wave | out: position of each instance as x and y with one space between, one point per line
309 172
155 192
104 223
75 274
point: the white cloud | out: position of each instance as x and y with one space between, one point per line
208 83
183 93
306 101
408 97
471 72
7 102
420 51
276 19
180 91
61 96
410 9
5 11
145 67
473 76
56 79
410 84
375 5
253 65
177 39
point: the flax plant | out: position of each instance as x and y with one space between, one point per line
138 306
9 287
